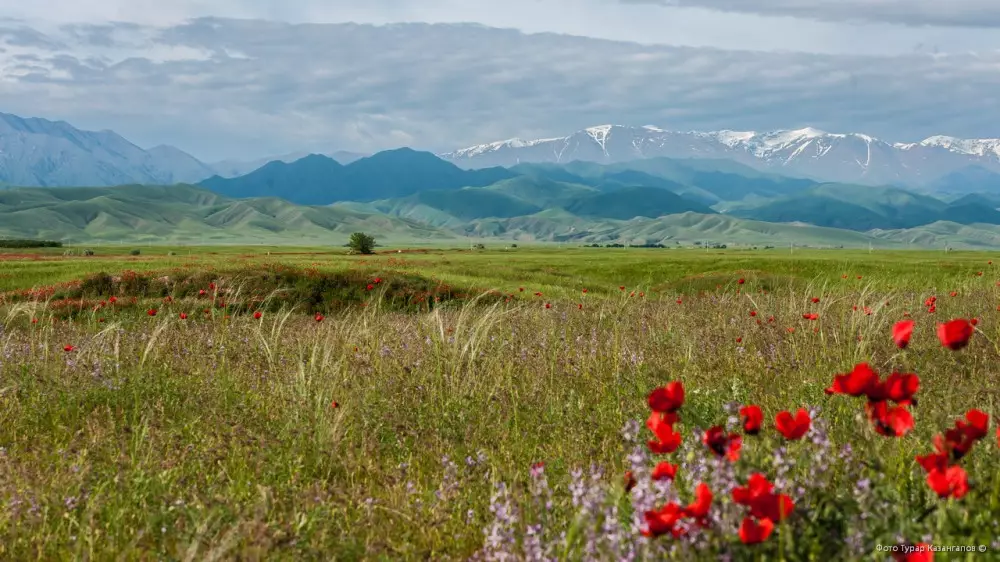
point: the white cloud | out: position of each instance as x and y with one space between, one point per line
363 88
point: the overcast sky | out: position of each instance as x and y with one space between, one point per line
297 75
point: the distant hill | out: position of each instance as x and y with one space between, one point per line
184 213
236 167
320 180
864 208
39 152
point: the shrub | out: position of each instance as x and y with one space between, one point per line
88 252
362 243
134 253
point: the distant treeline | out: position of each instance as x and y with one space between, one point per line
718 246
30 244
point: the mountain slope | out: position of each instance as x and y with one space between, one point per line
38 152
320 180
808 152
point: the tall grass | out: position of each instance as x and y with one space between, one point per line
384 435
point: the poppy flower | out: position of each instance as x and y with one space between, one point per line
980 274
662 521
754 531
951 482
168 299
793 427
815 300
741 281
579 306
667 399
538 294
723 445
369 287
933 461
201 293
919 552
890 422
151 312
902 332
257 315
211 286
100 320
34 320
753 417
621 288
855 383
739 340
378 280
632 294
319 317
955 334
183 316
548 305
954 293
113 300
974 321
664 471
810 316
630 481
666 439
753 313
69 348
641 294
520 289
759 496
679 301
698 509
585 290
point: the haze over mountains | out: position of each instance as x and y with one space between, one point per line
604 184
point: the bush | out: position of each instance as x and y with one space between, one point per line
362 243
30 244
88 252
134 253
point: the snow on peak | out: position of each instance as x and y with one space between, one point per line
733 138
975 147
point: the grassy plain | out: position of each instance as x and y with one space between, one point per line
377 434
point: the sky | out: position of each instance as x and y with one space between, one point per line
242 79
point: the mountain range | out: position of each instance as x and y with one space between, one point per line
808 152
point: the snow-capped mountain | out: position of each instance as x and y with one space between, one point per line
808 152
39 152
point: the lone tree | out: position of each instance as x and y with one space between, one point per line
362 243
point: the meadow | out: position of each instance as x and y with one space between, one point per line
299 403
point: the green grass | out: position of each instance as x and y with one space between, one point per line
216 438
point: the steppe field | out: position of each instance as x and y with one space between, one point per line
533 403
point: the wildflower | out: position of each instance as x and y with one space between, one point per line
548 305
955 334
621 288
741 281
69 348
890 422
753 417
664 471
666 439
151 312
815 300
318 317
113 300
667 399
755 531
201 293
630 481
951 482
369 287
855 383
902 332
919 552
739 340
585 291
183 316
663 521
759 496
753 313
698 509
257 315
793 427
810 316
723 445
334 405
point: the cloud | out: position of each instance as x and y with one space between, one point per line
225 88
959 13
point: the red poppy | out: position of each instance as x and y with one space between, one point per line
741 281
168 299
642 294
183 316
632 294
855 383
951 482
585 290
791 330
68 348
538 294
954 293
980 274
723 445
378 280
113 300
753 313
890 422
902 332
679 301
257 315
793 427
667 399
811 316
151 312
520 289
974 321
319 317
664 471
211 286
201 293
621 288
667 440
739 340
548 305
755 531
698 509
100 320
630 481
815 300
579 307
753 417
663 521
759 496
955 334
369 287
34 320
